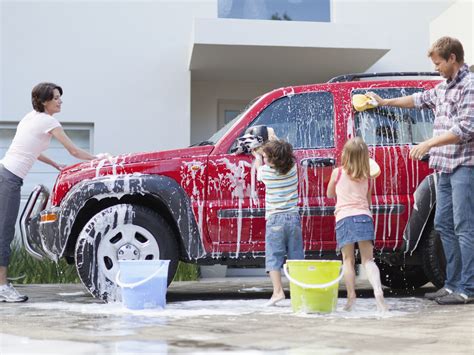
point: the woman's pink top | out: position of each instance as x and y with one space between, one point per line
351 196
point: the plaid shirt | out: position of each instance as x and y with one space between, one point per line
453 104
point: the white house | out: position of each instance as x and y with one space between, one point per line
160 74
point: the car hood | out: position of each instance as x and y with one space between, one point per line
138 158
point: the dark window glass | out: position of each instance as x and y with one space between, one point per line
283 10
304 120
392 125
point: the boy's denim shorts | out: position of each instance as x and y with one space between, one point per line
354 229
283 237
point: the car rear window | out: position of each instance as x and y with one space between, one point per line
392 125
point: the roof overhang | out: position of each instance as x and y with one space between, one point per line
281 51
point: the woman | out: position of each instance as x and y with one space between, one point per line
33 136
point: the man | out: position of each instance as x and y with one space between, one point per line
452 154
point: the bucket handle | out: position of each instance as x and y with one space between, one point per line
303 285
135 284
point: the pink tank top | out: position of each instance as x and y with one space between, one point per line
351 196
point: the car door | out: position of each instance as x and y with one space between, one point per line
306 120
236 200
390 132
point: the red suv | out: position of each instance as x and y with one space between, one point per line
202 205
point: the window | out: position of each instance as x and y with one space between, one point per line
391 125
305 120
228 110
285 10
40 173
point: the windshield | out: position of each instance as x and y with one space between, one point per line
220 133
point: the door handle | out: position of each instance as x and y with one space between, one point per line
425 157
317 162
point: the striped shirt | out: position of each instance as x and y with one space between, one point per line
281 190
453 104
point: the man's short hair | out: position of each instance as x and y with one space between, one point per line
445 46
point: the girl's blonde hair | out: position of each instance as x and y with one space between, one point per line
355 158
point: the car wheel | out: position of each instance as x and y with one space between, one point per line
434 261
121 232
402 277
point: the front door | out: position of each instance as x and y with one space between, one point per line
236 200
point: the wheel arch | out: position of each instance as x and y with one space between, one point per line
422 215
159 193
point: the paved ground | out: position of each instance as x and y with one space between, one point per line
222 315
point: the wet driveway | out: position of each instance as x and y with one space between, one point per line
222 315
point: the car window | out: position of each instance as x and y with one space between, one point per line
392 125
304 120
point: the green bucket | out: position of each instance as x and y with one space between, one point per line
313 284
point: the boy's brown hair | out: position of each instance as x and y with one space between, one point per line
355 158
445 46
279 153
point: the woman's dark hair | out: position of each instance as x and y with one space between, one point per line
280 154
43 92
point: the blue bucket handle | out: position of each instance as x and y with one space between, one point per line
303 285
136 284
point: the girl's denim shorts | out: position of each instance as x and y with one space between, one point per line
354 229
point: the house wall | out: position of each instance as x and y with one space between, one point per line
406 22
457 21
123 66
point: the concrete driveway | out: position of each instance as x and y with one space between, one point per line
222 315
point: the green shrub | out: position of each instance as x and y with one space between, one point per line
186 272
29 270
39 271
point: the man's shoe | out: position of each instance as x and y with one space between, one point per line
455 298
9 294
440 293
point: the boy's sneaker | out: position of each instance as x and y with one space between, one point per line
455 298
9 294
440 293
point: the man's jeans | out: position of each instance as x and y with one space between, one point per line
454 220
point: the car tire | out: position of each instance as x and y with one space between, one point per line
121 232
402 277
434 260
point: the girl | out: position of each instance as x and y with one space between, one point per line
352 187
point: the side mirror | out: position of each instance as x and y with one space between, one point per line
247 143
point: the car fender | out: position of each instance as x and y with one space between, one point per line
167 190
423 208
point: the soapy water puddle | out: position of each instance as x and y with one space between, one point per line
118 325
364 308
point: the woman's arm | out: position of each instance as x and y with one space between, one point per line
48 161
331 191
76 152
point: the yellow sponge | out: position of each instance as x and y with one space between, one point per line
363 102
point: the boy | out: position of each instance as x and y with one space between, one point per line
283 236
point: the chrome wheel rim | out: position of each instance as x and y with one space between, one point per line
125 242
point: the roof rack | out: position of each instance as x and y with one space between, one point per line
357 76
